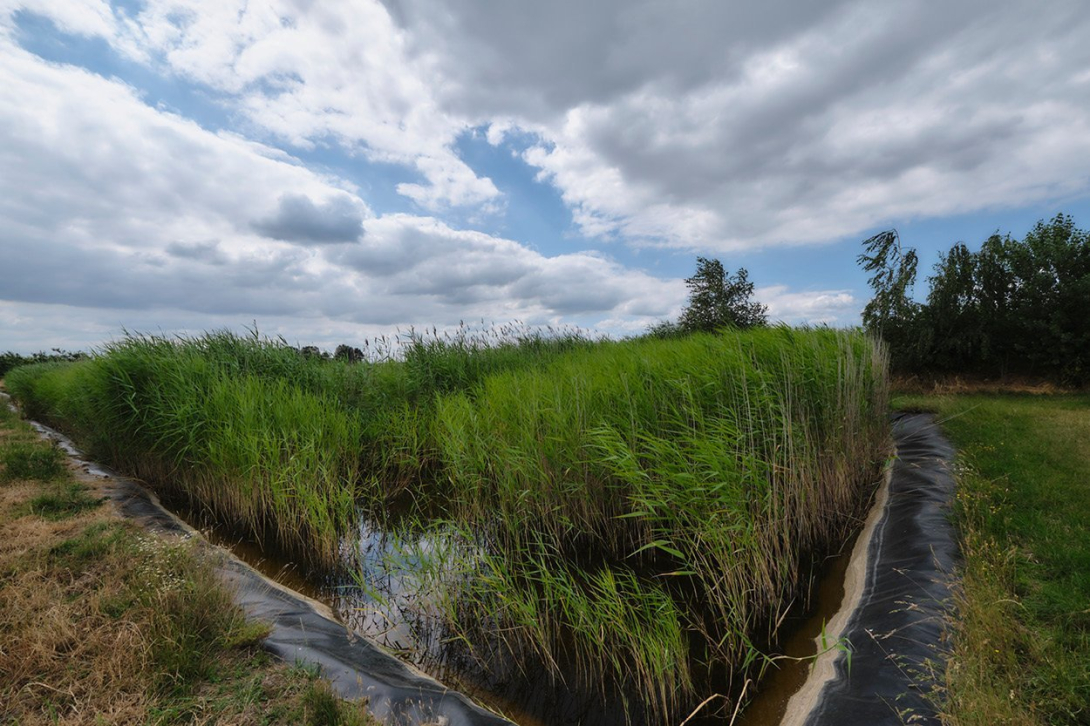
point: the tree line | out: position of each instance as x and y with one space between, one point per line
1014 307
9 360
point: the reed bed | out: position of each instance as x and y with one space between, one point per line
630 516
220 421
645 501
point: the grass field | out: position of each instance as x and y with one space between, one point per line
1022 639
101 623
629 513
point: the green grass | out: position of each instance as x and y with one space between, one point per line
690 479
629 513
31 460
218 420
63 500
1022 648
270 440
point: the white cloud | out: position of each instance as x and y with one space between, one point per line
702 125
719 127
111 204
433 273
87 18
78 327
311 71
834 307
118 170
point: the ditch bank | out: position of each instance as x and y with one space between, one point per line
897 597
890 608
302 629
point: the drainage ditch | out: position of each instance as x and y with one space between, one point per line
885 597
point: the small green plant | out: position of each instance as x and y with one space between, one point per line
321 707
91 544
31 460
66 499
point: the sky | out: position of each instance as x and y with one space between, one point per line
333 171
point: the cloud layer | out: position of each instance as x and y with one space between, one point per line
298 219
702 126
114 205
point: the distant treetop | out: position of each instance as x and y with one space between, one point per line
717 300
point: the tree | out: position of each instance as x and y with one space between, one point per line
894 275
958 330
717 300
348 353
1013 307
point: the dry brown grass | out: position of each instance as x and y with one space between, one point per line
61 658
103 624
957 384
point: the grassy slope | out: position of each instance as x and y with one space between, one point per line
100 623
1022 645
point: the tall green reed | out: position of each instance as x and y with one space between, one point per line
219 420
633 513
708 470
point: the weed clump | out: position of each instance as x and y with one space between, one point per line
68 499
31 460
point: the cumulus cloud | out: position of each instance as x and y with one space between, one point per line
716 126
313 72
832 307
113 205
704 125
207 252
437 271
298 219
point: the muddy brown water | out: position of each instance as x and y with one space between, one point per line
530 704
799 645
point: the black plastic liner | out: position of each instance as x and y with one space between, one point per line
302 630
896 632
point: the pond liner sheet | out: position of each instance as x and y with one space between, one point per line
896 631
302 630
